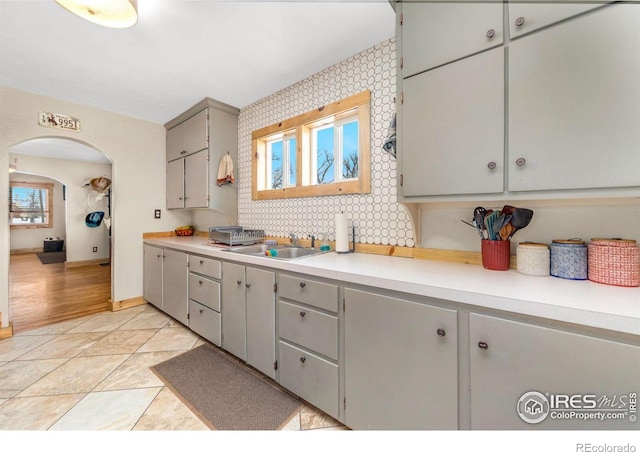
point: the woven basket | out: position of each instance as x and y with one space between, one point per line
184 232
615 262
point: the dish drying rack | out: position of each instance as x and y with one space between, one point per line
235 235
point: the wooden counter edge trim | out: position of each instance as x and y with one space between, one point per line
434 254
128 303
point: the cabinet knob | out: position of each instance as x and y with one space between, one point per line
441 332
302 359
200 282
247 285
239 282
159 256
201 262
201 311
183 152
520 21
491 165
483 345
521 161
491 33
302 284
302 313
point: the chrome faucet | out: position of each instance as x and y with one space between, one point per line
313 241
294 239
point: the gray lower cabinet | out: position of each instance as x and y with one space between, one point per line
566 372
401 363
152 275
204 298
175 283
248 315
233 309
308 341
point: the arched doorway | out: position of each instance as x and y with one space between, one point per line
73 163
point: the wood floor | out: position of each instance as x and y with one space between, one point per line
43 294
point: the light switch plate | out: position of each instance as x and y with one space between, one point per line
156 213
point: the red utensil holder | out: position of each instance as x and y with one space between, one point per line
496 254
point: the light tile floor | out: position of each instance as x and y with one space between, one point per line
92 373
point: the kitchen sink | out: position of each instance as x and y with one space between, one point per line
285 252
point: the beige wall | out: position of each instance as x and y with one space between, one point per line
136 148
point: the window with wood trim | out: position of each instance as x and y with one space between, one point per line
30 205
322 152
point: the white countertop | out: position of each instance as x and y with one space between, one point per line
579 302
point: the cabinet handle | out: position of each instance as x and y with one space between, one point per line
302 359
239 282
521 162
302 313
491 33
491 165
441 332
247 285
302 284
483 345
520 21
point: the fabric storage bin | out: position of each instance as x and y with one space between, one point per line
569 259
614 261
533 259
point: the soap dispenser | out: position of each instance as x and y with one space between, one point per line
324 246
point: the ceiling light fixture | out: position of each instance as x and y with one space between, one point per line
108 13
13 167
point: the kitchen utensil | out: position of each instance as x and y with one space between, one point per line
499 224
489 221
478 217
520 218
506 231
507 209
474 226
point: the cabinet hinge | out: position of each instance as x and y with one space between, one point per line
188 316
401 62
344 404
401 19
275 287
402 98
208 198
401 180
275 365
344 305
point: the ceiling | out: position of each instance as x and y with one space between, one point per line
181 51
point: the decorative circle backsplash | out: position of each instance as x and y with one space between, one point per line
377 216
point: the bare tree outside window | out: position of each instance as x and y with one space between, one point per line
350 167
325 163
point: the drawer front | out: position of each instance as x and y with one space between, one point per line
204 291
314 293
311 377
205 266
310 328
205 322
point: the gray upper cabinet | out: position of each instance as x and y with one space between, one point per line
197 140
401 364
509 359
574 103
566 99
526 16
437 33
189 136
453 128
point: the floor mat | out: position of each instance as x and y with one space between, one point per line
225 395
53 257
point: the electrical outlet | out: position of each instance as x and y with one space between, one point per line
95 249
